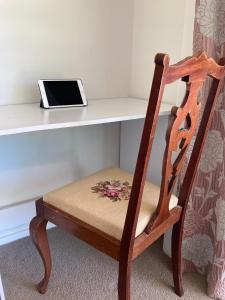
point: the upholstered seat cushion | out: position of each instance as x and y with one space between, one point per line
101 200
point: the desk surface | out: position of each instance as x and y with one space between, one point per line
22 118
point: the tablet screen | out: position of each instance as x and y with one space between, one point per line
61 93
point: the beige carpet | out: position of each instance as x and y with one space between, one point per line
80 272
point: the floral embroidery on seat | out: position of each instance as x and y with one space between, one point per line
113 189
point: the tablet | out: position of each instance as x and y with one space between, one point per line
62 93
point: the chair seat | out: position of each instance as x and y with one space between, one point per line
101 200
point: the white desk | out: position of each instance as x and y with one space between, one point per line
23 118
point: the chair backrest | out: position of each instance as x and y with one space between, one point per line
183 121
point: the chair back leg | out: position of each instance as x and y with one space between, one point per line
39 237
177 257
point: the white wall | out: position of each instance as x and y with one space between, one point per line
129 144
34 163
159 26
58 39
64 39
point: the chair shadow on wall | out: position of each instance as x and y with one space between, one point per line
122 214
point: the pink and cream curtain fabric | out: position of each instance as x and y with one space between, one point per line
204 232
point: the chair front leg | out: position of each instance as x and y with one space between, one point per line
124 280
39 237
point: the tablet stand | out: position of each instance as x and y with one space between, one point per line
42 104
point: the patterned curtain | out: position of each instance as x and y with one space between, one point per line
204 232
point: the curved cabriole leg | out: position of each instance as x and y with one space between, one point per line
124 280
177 258
39 237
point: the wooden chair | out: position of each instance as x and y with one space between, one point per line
122 221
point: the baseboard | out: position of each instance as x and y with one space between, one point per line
14 221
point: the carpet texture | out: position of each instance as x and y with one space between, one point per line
82 273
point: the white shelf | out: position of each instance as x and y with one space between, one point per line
23 118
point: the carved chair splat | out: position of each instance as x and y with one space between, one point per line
126 245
